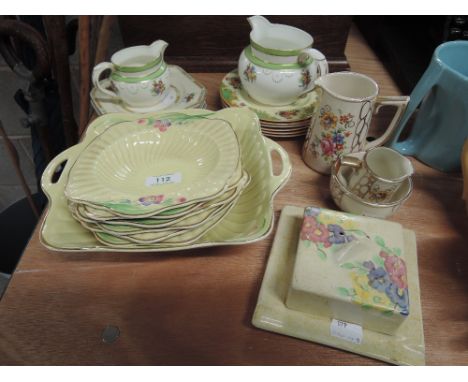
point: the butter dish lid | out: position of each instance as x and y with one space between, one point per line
354 259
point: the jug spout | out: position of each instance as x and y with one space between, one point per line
158 47
258 22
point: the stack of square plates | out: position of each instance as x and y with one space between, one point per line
157 181
286 121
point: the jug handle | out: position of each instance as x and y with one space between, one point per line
320 62
97 71
401 102
425 84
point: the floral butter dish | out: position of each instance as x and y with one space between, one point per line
350 268
361 281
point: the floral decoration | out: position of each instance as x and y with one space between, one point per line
321 235
250 74
235 82
381 282
151 199
288 114
336 128
158 88
305 79
189 97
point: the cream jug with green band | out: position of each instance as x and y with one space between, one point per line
139 75
279 65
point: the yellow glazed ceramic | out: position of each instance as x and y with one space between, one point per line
172 234
142 166
105 214
351 268
250 220
404 347
191 219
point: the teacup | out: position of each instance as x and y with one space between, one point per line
378 175
139 75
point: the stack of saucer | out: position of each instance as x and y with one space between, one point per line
185 92
276 121
158 182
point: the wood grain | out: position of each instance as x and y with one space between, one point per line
214 43
195 307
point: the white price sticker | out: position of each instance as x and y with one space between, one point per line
163 179
346 331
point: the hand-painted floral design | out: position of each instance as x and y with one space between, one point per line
181 199
250 74
321 235
288 114
158 88
189 97
396 268
305 79
151 199
328 120
380 282
235 82
335 130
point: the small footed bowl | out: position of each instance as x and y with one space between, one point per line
349 202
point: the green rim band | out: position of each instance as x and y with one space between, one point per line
116 77
136 69
269 65
277 52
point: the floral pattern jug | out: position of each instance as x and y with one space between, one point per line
340 125
139 75
279 65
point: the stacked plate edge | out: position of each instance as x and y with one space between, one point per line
157 181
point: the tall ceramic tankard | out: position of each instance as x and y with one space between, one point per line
340 125
441 125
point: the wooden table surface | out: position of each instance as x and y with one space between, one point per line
195 307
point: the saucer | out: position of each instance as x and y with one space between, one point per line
233 95
405 347
185 92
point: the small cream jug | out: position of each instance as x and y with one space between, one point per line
341 123
279 64
139 75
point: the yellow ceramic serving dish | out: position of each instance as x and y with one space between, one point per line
251 219
140 167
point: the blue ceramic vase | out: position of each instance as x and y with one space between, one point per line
441 125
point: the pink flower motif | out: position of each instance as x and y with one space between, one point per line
151 199
141 121
327 146
396 268
161 125
181 199
314 231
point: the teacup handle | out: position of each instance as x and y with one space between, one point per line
97 71
351 161
319 64
401 102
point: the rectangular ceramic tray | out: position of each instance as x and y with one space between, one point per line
405 347
249 221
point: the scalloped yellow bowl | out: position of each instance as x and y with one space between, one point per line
140 167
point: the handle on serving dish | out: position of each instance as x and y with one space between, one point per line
279 180
68 155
